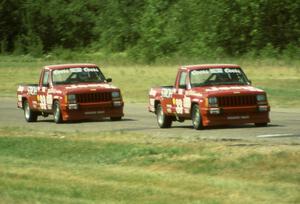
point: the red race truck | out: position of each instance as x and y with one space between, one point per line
71 92
218 94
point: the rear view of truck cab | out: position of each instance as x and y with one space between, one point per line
210 95
71 92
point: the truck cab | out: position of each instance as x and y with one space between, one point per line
210 95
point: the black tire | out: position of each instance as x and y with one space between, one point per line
57 112
30 116
115 118
196 117
261 124
163 121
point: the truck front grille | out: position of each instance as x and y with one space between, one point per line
93 97
243 100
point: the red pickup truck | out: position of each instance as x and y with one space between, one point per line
217 94
71 92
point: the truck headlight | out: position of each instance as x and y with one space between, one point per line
115 94
213 101
71 98
261 97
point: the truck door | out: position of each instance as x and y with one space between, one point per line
43 96
178 96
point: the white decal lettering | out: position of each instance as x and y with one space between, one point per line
86 69
166 93
187 102
216 71
228 70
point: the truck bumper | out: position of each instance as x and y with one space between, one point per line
235 115
92 111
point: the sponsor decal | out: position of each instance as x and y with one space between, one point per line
216 71
49 101
187 102
238 117
75 70
54 91
152 92
87 69
167 93
247 88
230 70
21 88
193 93
179 106
109 86
180 91
152 101
93 112
32 90
199 72
43 101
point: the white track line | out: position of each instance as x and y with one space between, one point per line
276 135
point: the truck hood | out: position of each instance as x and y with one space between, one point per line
227 90
86 88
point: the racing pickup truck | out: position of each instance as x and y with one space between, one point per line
71 92
210 95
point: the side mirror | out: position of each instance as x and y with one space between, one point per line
109 80
249 82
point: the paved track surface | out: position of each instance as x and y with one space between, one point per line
284 127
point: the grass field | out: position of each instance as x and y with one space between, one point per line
280 80
55 167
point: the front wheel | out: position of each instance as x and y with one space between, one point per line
57 112
30 116
163 120
196 118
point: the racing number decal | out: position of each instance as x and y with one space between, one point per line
42 101
179 107
45 101
182 106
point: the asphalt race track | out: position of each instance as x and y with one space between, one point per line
284 127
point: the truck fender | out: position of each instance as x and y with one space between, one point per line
156 102
194 104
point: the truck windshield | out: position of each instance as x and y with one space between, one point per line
77 75
217 76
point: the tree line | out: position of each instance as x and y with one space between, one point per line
150 29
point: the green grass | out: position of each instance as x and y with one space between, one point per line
55 167
281 80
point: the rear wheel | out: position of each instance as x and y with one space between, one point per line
57 112
30 116
196 118
163 120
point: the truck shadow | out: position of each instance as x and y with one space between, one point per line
245 126
88 121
